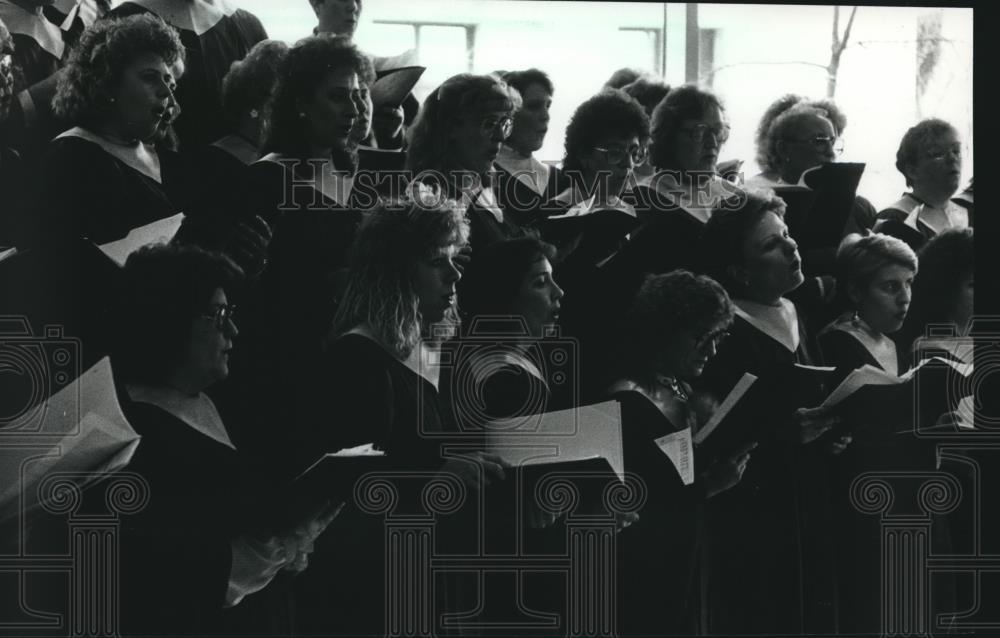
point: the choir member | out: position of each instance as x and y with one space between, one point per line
213 215
508 292
215 34
804 134
770 560
944 290
689 128
379 382
674 326
454 142
100 179
930 158
523 180
12 175
209 537
302 192
73 16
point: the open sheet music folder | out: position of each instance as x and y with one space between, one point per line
332 478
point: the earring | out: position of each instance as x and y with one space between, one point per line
301 115
254 114
856 320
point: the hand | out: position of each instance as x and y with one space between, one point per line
624 519
301 542
730 170
387 123
476 470
809 424
839 444
725 474
247 245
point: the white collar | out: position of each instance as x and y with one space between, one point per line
140 157
780 322
239 147
332 183
191 15
197 412
486 199
514 358
698 204
580 205
528 170
34 25
86 10
918 211
879 346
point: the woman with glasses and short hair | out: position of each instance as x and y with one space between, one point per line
213 534
453 143
674 327
802 135
930 158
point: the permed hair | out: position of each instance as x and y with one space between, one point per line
389 245
96 64
610 113
725 233
860 258
666 304
458 97
780 122
648 92
682 104
305 66
164 288
249 84
916 140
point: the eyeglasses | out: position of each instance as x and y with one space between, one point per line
617 155
493 125
714 338
940 155
697 133
221 315
821 142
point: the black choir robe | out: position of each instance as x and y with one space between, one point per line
770 566
213 40
878 446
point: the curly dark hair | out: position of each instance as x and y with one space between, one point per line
916 140
491 283
98 61
521 80
648 92
684 103
463 95
610 113
725 233
945 261
164 287
304 67
249 84
778 117
665 305
623 76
